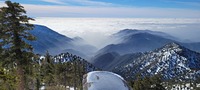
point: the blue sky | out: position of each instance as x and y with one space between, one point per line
109 8
191 4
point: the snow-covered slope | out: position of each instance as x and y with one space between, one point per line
103 80
135 41
171 61
68 57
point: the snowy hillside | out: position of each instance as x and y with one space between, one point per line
171 61
67 57
103 80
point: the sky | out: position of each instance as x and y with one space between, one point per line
180 18
112 8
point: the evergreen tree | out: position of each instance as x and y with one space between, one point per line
138 85
148 83
14 27
48 69
37 72
7 80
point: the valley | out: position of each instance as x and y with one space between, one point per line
140 52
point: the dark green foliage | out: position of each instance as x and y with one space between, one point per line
48 70
7 80
70 73
59 72
14 26
148 83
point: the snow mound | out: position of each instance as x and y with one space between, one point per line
103 80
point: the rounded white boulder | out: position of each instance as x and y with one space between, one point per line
103 80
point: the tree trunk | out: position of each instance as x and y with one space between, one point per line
21 83
37 84
20 70
75 76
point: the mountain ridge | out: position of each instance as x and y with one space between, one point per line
55 43
171 61
136 41
143 40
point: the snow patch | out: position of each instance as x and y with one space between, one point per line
103 80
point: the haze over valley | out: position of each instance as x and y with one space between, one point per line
97 31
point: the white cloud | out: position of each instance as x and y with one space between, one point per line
96 30
2 3
91 3
80 2
54 1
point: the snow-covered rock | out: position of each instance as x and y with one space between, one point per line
103 80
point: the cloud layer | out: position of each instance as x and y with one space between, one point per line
96 31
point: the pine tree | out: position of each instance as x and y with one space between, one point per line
37 72
14 27
7 80
48 70
148 83
138 85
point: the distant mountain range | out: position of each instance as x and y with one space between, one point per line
171 61
143 40
132 44
141 52
55 43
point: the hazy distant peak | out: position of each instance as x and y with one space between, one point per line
129 32
78 38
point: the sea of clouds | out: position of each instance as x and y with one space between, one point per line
96 31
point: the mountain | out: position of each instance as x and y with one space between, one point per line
82 48
132 41
128 32
139 42
172 61
103 80
68 57
48 39
122 60
136 41
55 43
103 60
110 60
